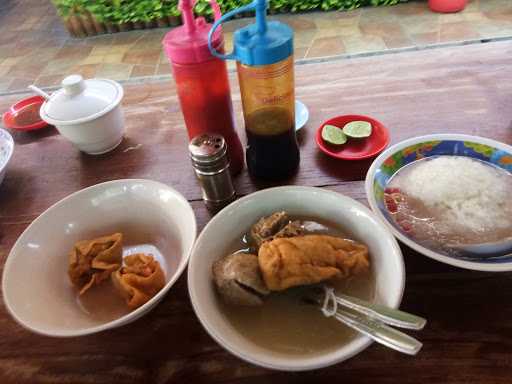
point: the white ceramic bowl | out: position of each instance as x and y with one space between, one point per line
97 136
403 153
88 113
35 283
6 151
236 219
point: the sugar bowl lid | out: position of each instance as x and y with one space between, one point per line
80 100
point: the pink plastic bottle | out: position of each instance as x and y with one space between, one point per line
202 81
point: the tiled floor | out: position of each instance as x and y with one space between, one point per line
35 47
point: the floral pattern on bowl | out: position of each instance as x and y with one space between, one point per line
6 150
399 155
419 151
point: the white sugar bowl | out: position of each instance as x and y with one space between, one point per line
88 113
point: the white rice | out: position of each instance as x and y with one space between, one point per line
467 192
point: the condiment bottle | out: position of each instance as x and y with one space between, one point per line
264 54
202 80
208 155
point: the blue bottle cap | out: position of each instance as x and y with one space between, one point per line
251 47
260 43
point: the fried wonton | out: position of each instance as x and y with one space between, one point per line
310 259
139 280
92 261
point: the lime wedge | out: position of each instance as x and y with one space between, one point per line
333 135
357 129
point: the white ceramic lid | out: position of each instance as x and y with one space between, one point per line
81 100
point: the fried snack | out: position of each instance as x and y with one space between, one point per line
276 225
268 226
92 261
139 280
293 228
310 259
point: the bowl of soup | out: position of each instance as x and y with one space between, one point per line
447 196
268 323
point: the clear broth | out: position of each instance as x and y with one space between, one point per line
284 323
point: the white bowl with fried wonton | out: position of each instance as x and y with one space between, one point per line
153 218
272 348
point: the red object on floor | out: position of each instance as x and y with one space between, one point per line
447 6
30 120
355 149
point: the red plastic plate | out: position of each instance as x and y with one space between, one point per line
8 117
355 149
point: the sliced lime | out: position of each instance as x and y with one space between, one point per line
357 129
333 135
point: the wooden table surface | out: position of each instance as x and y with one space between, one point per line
469 335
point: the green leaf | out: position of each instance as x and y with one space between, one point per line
123 11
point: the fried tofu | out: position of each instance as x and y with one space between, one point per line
310 259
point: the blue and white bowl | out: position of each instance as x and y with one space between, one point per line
405 152
6 150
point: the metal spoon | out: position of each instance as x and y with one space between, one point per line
370 319
380 332
382 313
491 249
375 311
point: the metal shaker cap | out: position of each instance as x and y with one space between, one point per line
208 151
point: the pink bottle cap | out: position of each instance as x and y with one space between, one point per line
189 43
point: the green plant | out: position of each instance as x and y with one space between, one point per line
170 8
69 7
345 5
280 6
303 5
376 3
101 9
203 8
124 11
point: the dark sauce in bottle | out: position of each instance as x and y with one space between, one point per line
272 148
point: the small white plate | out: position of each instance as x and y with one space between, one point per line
301 115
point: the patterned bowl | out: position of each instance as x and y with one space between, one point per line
6 150
405 152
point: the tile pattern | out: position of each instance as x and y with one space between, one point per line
36 48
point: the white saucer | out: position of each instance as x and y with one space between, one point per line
301 115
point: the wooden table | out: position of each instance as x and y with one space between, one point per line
469 335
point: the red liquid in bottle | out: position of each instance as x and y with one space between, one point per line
202 80
203 90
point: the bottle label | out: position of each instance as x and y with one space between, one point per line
268 97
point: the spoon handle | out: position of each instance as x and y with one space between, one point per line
39 91
385 314
380 332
